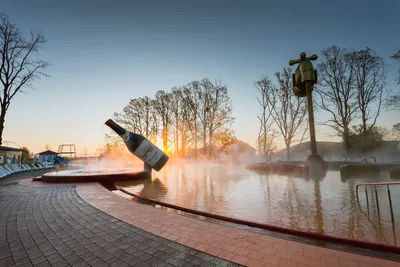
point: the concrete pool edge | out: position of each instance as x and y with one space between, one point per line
104 177
352 242
226 242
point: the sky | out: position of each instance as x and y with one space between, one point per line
102 53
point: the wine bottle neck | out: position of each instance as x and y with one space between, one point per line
118 129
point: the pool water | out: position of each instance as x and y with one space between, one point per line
326 206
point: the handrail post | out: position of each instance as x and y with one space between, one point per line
366 197
390 203
357 192
377 202
387 184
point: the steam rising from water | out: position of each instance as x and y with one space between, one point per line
114 163
130 162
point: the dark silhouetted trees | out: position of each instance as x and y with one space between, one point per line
201 110
364 142
336 90
370 80
18 66
287 111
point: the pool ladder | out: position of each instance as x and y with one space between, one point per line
387 184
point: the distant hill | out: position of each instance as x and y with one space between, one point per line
324 149
387 149
242 146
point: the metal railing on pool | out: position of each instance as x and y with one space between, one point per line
387 184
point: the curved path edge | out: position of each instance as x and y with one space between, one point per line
226 242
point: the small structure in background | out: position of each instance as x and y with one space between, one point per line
67 151
47 155
10 152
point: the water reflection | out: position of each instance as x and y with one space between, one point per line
146 187
327 206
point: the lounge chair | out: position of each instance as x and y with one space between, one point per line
16 168
4 172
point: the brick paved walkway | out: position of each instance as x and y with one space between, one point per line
226 242
58 226
53 226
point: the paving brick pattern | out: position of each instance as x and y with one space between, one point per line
53 226
240 246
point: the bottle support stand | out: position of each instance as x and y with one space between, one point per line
147 168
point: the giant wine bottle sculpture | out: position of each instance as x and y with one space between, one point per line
140 147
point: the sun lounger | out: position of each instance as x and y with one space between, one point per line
4 172
7 168
34 167
16 168
27 167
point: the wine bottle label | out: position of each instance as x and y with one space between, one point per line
148 153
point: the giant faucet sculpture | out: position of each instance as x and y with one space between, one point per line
304 77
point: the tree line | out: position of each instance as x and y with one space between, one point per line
196 117
351 91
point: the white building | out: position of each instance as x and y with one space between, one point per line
9 152
47 155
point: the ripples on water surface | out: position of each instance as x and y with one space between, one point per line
327 206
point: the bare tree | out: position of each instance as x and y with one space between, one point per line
265 135
190 123
146 115
220 112
114 147
176 113
337 91
27 154
154 121
397 57
214 111
163 108
138 116
223 137
370 80
17 70
288 112
185 120
362 142
130 118
191 99
203 93
394 101
181 110
396 131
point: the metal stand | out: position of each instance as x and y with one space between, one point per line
146 167
147 170
303 79
310 108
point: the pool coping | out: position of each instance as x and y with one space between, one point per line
325 239
226 242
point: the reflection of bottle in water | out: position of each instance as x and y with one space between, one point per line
140 147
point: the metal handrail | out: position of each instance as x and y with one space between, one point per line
387 184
